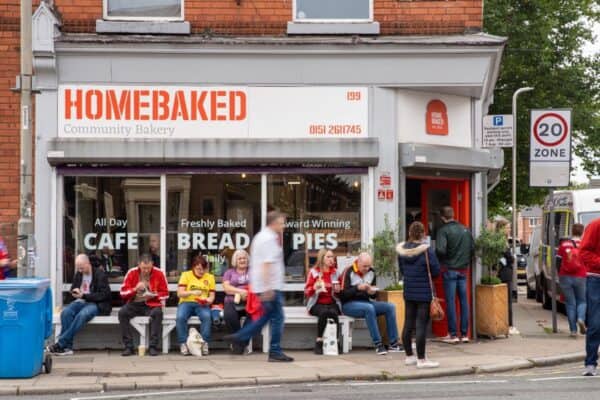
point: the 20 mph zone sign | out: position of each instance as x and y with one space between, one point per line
550 157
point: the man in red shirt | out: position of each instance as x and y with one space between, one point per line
590 256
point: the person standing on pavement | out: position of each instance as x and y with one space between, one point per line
454 247
590 256
417 261
91 292
321 290
358 294
572 277
144 290
505 270
267 273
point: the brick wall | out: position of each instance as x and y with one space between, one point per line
270 17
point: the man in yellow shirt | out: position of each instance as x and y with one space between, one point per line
196 292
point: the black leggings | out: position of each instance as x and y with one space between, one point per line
324 312
232 317
417 318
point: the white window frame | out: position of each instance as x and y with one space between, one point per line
106 17
330 21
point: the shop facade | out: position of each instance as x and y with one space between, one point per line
180 146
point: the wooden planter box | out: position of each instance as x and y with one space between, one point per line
492 310
395 297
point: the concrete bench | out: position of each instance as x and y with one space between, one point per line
299 316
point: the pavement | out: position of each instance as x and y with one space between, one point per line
107 371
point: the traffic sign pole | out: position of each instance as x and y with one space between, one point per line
552 245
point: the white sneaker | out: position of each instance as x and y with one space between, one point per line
464 339
183 349
427 364
513 331
451 340
590 370
410 360
205 348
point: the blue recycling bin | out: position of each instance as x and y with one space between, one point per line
25 324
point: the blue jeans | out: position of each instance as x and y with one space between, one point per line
187 309
369 310
456 281
72 318
592 337
574 290
273 312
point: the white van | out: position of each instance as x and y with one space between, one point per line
570 206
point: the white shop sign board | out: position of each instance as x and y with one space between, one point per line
163 112
498 131
550 148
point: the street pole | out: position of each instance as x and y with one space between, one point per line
552 244
514 185
26 247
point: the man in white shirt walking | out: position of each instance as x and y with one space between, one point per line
267 272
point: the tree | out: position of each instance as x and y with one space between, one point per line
544 50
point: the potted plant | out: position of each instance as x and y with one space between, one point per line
385 263
491 294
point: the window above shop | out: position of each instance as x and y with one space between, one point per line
143 16
333 17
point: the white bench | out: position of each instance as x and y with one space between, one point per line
299 316
141 325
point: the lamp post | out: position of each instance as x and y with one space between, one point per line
514 182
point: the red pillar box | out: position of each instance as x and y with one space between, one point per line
440 328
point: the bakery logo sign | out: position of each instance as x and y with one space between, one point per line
97 111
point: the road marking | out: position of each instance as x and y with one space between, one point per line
561 378
154 394
408 383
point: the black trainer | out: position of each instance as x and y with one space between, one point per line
153 351
128 352
279 358
319 347
381 350
395 347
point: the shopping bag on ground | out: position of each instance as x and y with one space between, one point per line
194 342
330 341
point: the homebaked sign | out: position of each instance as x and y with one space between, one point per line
163 112
550 148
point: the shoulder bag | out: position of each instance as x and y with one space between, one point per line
436 312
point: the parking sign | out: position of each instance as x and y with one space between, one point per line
497 131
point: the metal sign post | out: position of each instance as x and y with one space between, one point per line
553 260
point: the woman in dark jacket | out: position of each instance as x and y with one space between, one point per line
417 292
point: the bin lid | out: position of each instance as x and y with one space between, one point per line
24 283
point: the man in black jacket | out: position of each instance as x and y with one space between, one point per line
91 292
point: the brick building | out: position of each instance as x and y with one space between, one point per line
172 126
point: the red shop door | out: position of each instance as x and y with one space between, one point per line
436 194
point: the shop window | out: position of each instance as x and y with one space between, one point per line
167 10
322 211
112 220
211 215
333 10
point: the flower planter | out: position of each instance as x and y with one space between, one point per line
395 297
492 310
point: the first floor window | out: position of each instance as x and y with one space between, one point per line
143 9
333 10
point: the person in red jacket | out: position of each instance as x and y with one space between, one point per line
590 256
571 275
144 289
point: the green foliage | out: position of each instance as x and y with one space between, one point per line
383 250
490 280
489 247
394 286
544 50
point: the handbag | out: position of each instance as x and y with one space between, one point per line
436 312
330 341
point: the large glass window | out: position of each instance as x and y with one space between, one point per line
143 9
212 215
112 220
323 211
333 10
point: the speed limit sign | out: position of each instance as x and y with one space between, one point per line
550 150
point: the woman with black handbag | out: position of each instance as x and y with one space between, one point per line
418 263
